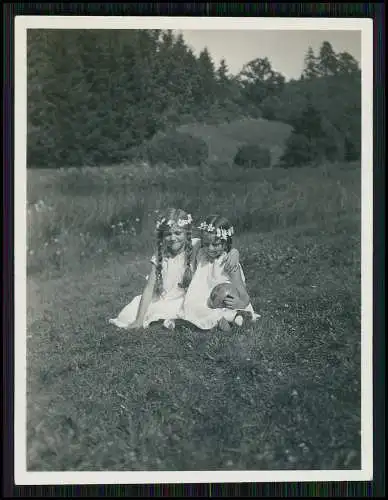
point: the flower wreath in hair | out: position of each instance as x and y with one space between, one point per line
170 222
224 234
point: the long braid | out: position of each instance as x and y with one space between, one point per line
229 243
188 274
172 214
159 278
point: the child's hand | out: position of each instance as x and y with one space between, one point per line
233 302
231 261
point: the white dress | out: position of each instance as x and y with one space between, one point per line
206 277
167 305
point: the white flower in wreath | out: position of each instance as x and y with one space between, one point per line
160 223
185 222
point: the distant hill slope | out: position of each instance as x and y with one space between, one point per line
224 139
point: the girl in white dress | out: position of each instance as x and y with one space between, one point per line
210 271
171 273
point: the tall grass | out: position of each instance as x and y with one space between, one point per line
77 213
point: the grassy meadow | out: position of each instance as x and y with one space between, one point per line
281 394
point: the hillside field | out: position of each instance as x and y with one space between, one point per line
282 394
224 139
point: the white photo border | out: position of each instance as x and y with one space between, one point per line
22 23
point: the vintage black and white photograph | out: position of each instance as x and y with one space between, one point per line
194 201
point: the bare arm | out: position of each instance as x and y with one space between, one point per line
243 299
145 300
231 260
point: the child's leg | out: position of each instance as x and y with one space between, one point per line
229 314
224 325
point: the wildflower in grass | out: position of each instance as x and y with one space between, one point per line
40 206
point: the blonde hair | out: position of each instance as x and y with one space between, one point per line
173 215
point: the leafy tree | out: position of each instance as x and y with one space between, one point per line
259 80
347 64
95 95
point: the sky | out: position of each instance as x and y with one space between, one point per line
285 49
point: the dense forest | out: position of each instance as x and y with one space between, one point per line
94 95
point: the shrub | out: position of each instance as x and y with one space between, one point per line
252 156
176 149
302 150
297 151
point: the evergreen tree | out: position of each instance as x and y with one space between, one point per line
222 72
310 65
205 82
95 94
328 62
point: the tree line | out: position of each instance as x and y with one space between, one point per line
94 95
